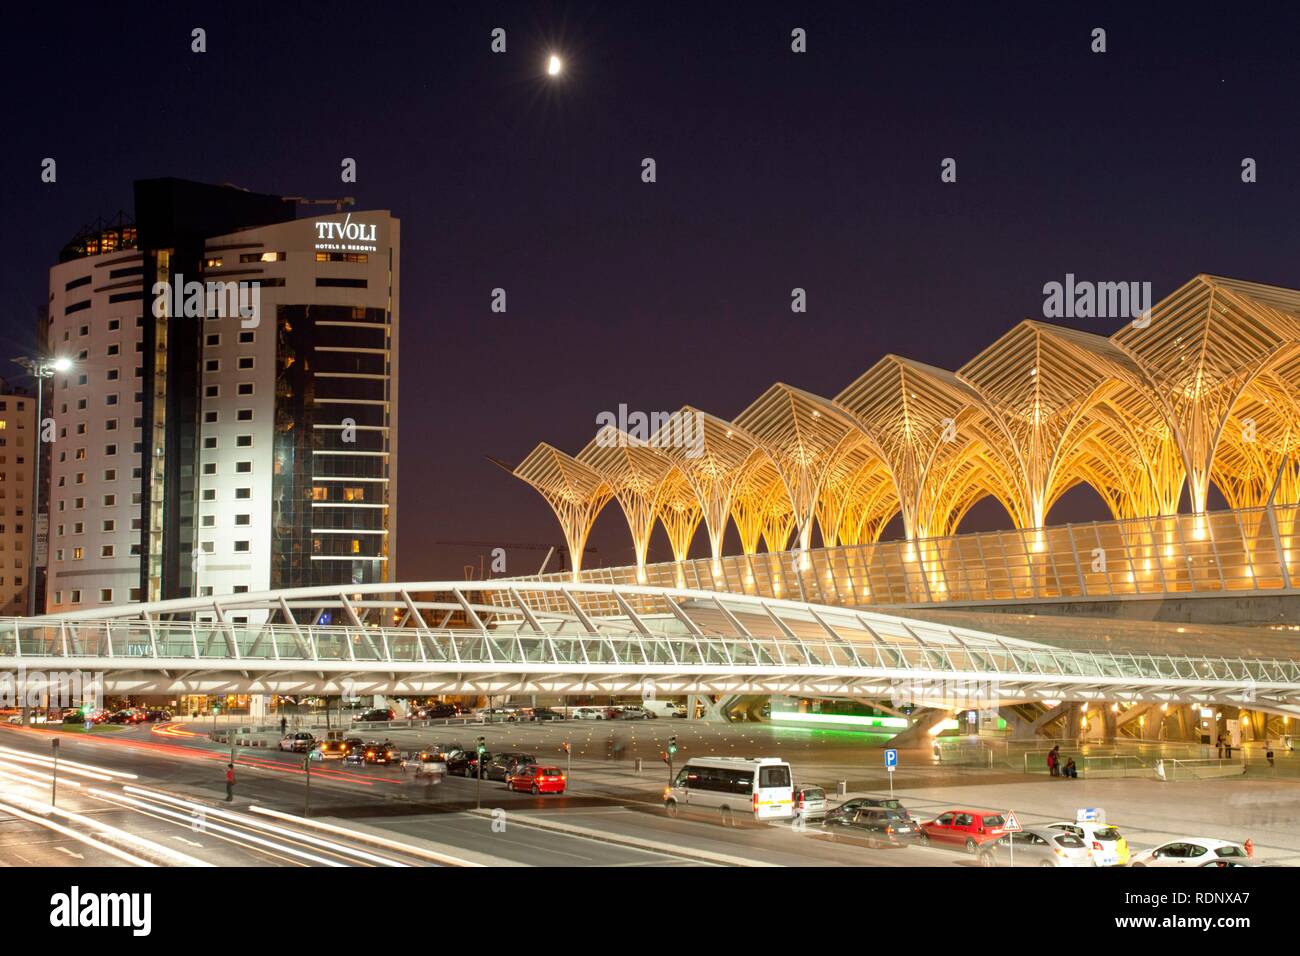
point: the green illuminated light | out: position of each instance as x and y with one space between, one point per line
840 720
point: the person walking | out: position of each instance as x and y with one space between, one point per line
284 723
230 782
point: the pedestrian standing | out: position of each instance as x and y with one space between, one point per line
1219 743
1054 761
230 782
283 724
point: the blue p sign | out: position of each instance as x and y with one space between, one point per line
891 758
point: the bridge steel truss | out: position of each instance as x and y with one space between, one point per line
1201 389
504 636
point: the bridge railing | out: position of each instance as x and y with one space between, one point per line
123 643
1219 552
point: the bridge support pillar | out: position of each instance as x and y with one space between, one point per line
259 705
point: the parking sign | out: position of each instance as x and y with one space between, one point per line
891 759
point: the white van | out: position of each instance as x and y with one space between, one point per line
664 708
733 788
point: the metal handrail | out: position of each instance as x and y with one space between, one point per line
1246 550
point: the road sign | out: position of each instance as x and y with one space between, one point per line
1012 825
891 760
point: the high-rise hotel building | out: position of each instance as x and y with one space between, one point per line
230 422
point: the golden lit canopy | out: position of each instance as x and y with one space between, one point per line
1204 389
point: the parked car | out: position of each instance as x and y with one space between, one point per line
435 711
464 763
969 828
809 802
506 711
376 715
1191 851
73 717
297 743
590 713
1037 846
850 807
632 712
503 764
536 779
1105 843
545 713
874 827
385 753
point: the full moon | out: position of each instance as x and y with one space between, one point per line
554 65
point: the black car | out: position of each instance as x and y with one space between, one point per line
376 715
502 765
74 717
436 711
156 715
464 763
850 807
874 826
545 713
385 753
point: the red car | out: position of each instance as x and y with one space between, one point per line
536 779
969 828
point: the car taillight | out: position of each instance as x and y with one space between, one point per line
755 803
1096 845
889 829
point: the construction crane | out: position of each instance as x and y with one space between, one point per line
338 204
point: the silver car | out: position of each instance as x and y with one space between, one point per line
1037 846
809 802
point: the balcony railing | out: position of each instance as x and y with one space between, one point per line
1218 553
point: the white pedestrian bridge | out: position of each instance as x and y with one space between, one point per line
508 636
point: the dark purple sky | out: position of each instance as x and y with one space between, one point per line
775 170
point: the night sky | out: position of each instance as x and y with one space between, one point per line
775 170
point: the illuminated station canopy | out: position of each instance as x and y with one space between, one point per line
1205 392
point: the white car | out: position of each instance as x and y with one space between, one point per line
1191 851
1106 844
425 764
589 713
298 743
